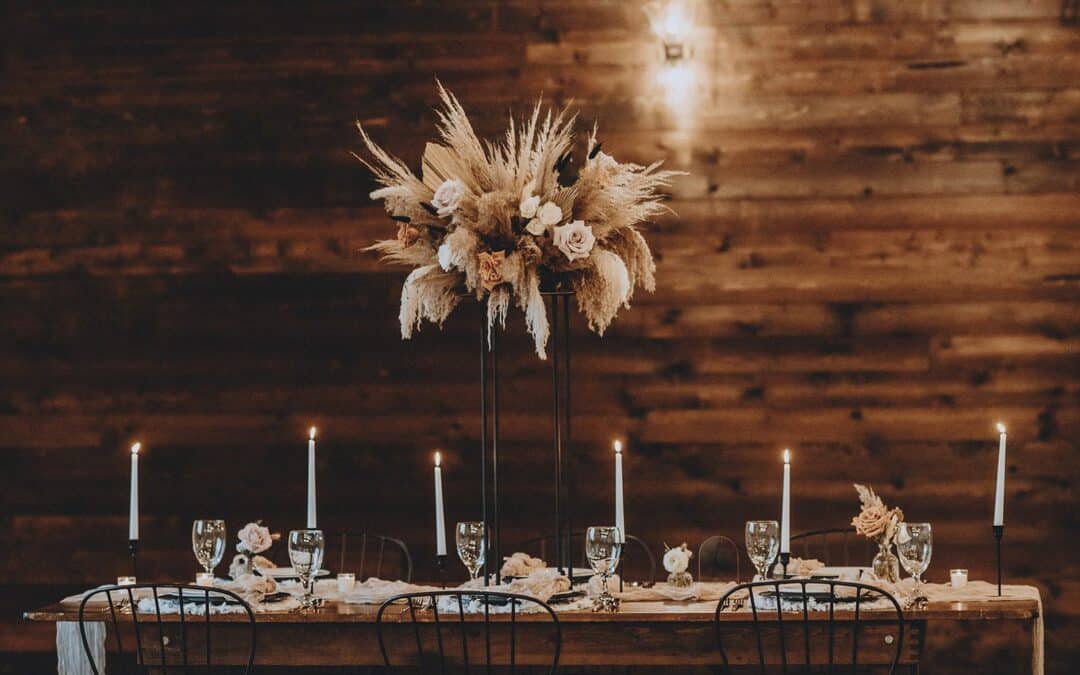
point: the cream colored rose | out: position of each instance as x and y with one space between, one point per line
872 521
529 206
549 214
677 560
491 268
448 197
575 239
254 538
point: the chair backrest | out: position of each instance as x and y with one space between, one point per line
834 546
157 642
443 631
374 555
719 559
637 562
801 624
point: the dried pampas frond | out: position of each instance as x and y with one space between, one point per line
491 219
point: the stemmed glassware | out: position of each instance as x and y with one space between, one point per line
471 537
208 542
915 546
603 548
762 544
306 548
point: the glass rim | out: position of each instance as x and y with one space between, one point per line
904 523
305 530
766 522
611 528
208 520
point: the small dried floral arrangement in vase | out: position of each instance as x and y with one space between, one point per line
252 540
677 562
501 220
878 522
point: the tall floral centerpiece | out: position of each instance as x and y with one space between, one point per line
878 522
502 220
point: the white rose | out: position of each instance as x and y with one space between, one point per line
575 239
535 227
255 538
448 197
529 206
549 213
677 560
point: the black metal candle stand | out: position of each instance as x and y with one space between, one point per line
559 313
133 549
999 532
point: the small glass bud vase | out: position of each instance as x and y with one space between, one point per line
886 566
680 579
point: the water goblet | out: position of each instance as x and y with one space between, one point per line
915 545
603 546
208 542
306 548
471 537
762 544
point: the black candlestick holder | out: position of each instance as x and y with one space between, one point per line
133 549
999 532
785 558
440 563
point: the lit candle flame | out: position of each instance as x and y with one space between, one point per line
787 456
618 446
135 448
438 458
311 433
1001 428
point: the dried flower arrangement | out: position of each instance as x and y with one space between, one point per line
499 221
875 520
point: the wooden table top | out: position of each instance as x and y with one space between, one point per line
651 612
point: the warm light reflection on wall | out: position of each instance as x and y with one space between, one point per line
679 75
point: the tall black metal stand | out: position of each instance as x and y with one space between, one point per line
999 531
489 434
133 549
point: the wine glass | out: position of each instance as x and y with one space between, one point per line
306 548
471 537
603 548
915 545
208 542
762 544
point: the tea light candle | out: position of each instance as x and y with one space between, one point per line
958 577
125 581
345 582
204 579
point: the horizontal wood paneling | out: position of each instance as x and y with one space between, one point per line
874 258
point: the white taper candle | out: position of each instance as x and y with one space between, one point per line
620 514
312 522
133 509
440 516
785 509
999 492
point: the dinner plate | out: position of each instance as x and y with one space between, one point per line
841 573
578 574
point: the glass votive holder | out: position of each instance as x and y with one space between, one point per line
204 579
345 582
125 581
958 577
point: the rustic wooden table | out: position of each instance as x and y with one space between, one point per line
640 634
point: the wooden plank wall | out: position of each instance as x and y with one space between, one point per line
875 258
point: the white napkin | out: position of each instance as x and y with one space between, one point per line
372 591
70 655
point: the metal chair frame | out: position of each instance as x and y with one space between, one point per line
430 600
197 594
826 536
630 539
406 557
806 618
720 540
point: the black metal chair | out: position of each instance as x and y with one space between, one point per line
372 555
834 546
719 556
162 645
637 557
798 639
436 632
